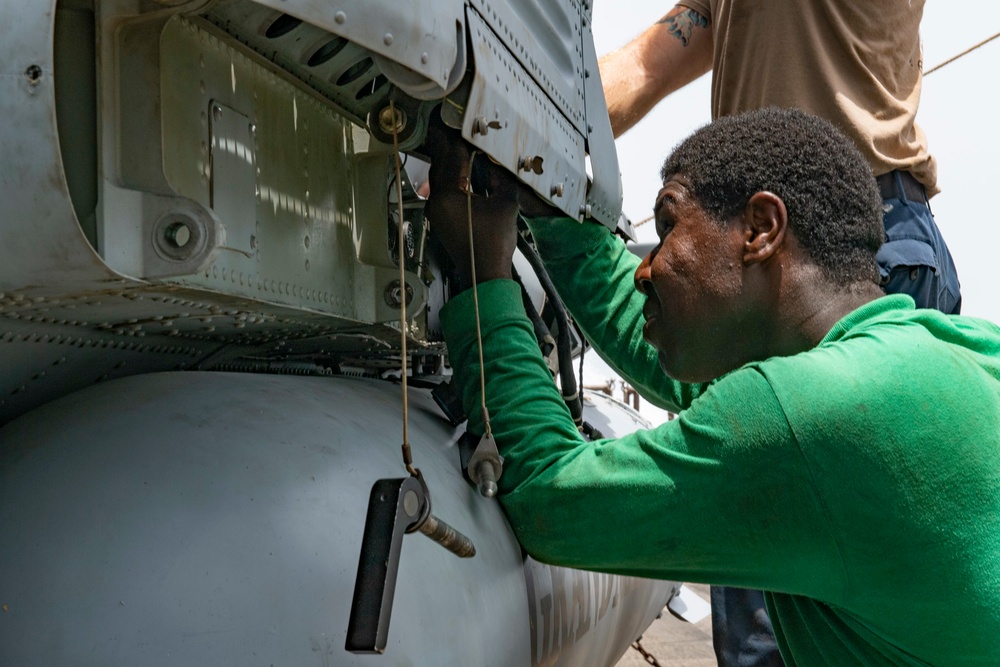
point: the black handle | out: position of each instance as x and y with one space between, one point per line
391 510
395 507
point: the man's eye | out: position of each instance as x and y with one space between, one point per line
663 226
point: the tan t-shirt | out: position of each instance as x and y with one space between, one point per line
857 64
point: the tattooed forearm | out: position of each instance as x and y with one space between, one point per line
681 21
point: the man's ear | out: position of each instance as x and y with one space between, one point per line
765 221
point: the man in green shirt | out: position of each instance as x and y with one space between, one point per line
835 447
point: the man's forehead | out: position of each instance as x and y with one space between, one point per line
675 188
678 180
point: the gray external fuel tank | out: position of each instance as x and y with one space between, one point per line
216 519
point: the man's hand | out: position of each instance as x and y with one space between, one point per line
494 211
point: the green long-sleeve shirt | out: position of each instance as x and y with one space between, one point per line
857 483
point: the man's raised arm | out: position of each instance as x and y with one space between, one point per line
670 54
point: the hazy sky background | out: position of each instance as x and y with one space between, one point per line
959 108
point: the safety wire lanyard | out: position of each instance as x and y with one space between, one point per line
475 302
426 523
407 454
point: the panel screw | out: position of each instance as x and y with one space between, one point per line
34 74
177 234
340 17
387 119
531 163
557 190
394 295
178 237
482 126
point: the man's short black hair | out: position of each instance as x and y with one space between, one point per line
834 207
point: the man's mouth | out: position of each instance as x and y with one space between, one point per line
650 318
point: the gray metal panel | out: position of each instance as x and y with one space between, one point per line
288 216
327 63
54 287
44 358
604 197
526 123
424 37
52 345
545 37
40 236
553 42
543 45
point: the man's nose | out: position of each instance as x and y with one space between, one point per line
643 278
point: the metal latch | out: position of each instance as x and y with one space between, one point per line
481 462
395 507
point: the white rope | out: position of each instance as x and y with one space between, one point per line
475 301
963 53
400 244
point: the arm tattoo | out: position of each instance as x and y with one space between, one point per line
681 21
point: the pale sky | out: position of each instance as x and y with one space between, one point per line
958 111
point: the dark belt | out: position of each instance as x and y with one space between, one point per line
912 188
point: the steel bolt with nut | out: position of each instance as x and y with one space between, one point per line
390 118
